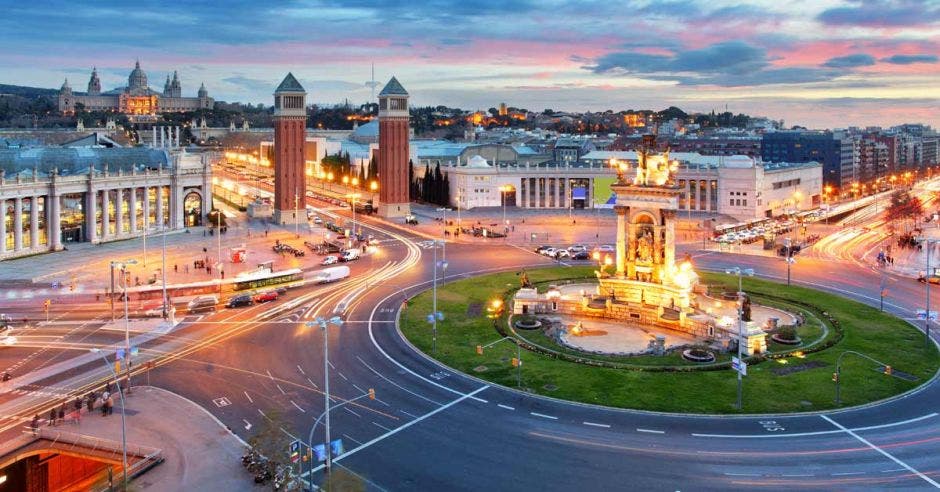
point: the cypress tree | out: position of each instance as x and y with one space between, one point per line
445 192
438 184
426 184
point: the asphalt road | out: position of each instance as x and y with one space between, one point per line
433 429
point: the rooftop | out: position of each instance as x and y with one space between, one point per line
77 161
393 88
290 84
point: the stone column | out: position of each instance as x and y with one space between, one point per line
3 226
558 192
669 249
54 221
91 219
153 142
105 213
17 224
589 194
160 212
162 137
657 244
34 222
132 208
146 224
119 212
621 239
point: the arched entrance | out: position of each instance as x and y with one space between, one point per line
509 195
192 209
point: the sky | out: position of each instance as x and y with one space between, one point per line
816 63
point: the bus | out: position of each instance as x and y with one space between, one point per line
259 280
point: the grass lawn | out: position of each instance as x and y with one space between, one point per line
768 387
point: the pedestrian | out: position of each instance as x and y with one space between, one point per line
52 416
78 403
187 269
110 405
176 268
265 232
209 269
62 413
90 402
35 424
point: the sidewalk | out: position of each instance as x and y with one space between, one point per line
199 453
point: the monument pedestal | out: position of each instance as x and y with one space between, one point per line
392 210
289 217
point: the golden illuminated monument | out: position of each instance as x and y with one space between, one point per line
646 270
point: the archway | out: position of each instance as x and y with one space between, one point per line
509 195
192 209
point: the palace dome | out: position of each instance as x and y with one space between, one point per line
137 79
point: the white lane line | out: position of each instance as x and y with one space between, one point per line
382 426
312 383
650 431
892 470
883 452
507 407
247 424
842 474
593 424
301 369
543 416
377 373
796 475
262 414
382 402
269 374
341 375
352 412
360 389
402 427
298 407
282 389
408 414
331 365
347 436
820 433
249 397
743 474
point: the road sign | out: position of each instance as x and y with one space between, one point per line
294 451
739 365
336 447
320 451
134 351
119 354
921 314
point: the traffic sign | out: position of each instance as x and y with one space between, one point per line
134 351
119 354
921 314
294 451
336 447
739 365
320 451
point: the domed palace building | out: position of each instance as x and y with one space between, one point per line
134 99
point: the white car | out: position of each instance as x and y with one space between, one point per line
562 253
317 219
576 248
8 340
606 248
549 252
330 260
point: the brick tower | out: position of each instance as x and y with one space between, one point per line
393 151
290 122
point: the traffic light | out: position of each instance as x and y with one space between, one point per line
46 304
479 350
371 393
516 362
835 377
888 370
117 366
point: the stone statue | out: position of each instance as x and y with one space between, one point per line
644 247
524 280
745 307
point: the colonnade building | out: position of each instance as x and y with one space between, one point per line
52 196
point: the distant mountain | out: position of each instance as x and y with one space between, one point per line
29 92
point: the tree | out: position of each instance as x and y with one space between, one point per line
904 207
272 442
438 184
412 184
426 183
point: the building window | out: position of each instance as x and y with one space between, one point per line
714 196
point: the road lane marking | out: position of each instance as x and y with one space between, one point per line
249 397
401 427
507 407
247 424
650 431
347 436
282 389
396 384
314 384
301 369
382 426
593 424
892 470
382 402
543 415
883 452
269 374
408 414
743 474
341 375
358 388
796 475
352 412
821 433
842 474
298 407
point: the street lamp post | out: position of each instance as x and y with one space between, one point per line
323 324
435 315
927 245
123 419
444 210
790 260
740 272
517 362
127 332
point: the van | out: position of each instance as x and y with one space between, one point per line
203 303
350 255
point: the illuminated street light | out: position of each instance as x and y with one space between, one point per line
750 273
323 323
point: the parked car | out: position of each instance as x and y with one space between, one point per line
266 296
330 260
239 301
317 220
411 220
153 311
576 248
202 303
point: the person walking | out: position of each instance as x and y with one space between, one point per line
34 425
90 403
176 268
110 404
52 416
62 413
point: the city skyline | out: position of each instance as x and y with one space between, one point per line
816 64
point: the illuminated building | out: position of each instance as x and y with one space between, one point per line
135 99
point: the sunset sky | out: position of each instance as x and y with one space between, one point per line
821 63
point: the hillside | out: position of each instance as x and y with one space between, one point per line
28 92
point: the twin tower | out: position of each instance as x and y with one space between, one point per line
290 122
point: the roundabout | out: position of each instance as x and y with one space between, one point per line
787 377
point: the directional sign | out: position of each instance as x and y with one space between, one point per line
120 354
134 351
294 451
921 314
320 451
336 447
739 365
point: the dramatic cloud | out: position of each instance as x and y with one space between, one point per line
910 59
883 13
850 61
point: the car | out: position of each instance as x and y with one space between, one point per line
561 253
576 248
8 340
606 248
266 296
349 255
581 255
541 249
203 303
239 300
411 220
154 311
330 260
317 220
549 252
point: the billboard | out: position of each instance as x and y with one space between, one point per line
603 196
